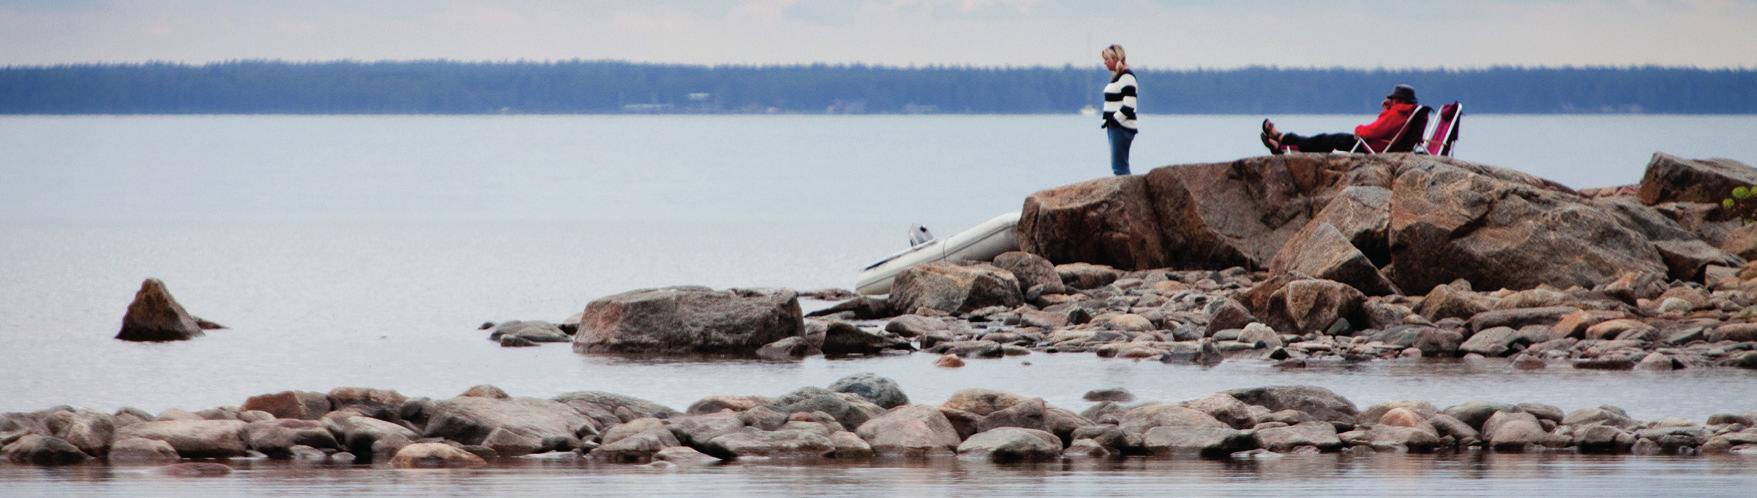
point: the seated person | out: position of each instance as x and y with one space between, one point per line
1399 105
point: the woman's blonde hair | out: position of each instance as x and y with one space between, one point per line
1116 52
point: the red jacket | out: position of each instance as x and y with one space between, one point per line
1379 133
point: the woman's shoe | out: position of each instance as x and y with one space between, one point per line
1274 145
1270 137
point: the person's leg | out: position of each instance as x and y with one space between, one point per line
1327 142
1120 140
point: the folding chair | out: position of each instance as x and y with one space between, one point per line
1406 137
1446 131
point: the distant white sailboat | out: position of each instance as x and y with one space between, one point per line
1089 111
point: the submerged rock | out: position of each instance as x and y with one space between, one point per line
435 456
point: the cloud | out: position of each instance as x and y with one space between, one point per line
1159 34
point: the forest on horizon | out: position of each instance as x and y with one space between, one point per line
602 87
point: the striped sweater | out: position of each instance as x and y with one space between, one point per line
1119 101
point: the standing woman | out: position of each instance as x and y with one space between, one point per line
1119 108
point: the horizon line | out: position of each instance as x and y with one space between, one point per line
796 65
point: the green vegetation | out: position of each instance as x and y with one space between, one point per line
444 87
1743 204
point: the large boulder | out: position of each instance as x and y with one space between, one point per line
982 401
697 430
138 451
1453 300
305 405
1502 229
1477 412
910 430
91 431
1202 216
610 408
1513 431
366 437
1107 221
1362 214
382 404
1031 270
1321 435
848 409
1141 419
1318 402
1409 438
844 339
1498 341
1225 408
193 438
1302 305
1012 444
1193 440
43 450
717 403
1670 178
791 348
784 443
435 456
1216 216
636 448
276 438
955 288
881 391
1033 414
155 316
1689 259
1320 250
552 425
689 319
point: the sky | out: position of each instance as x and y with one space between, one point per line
1167 34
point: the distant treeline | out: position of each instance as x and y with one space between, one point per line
446 87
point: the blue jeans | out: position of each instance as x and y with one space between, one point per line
1120 139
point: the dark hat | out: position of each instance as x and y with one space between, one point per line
1404 93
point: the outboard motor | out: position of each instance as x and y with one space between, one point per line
919 235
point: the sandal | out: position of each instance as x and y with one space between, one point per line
1274 145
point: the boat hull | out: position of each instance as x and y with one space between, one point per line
979 243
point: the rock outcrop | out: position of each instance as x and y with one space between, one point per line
155 316
1384 224
689 319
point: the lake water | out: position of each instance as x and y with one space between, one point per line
365 250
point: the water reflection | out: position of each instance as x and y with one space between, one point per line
1468 473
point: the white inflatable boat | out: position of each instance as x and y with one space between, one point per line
981 243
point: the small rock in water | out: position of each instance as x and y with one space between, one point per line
197 469
1524 361
949 361
155 316
1116 394
1256 454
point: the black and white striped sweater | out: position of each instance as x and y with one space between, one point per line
1119 101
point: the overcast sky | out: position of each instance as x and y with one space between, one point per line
1170 34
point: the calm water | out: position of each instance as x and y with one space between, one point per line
1319 475
363 251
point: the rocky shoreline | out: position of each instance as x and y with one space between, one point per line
857 418
1288 259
